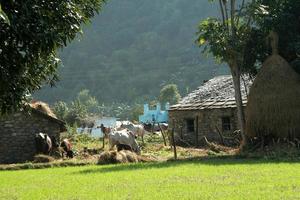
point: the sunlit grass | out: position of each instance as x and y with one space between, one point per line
198 179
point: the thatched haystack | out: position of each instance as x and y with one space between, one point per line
42 107
41 158
273 107
114 157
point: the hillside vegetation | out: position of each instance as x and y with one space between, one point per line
134 48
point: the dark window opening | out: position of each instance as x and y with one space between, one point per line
190 125
226 126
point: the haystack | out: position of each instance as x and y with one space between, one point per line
42 107
273 107
40 158
113 157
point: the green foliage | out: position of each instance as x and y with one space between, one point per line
132 49
90 102
228 41
77 112
169 93
61 110
281 17
29 42
3 16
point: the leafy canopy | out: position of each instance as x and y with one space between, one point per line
29 43
169 93
283 18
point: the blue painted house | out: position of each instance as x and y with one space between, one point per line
157 115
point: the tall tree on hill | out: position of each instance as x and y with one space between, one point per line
230 40
31 32
169 93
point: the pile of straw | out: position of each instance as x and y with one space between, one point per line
273 107
114 157
42 107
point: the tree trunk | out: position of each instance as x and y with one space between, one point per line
236 75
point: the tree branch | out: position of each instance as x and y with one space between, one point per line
240 12
226 14
232 15
222 12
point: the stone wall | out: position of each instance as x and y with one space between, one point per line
17 133
209 124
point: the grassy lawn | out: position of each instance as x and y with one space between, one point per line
196 179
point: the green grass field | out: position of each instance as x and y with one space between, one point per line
194 179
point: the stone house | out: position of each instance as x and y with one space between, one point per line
17 133
208 111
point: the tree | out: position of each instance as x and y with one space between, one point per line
90 102
281 17
77 112
29 43
229 39
169 93
61 110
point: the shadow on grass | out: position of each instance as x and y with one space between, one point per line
214 161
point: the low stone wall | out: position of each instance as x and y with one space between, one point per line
209 123
17 132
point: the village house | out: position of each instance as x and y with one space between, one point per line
17 132
208 111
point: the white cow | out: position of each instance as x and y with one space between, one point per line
136 129
125 137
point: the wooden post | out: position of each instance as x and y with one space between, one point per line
162 133
173 141
181 132
153 124
103 144
197 132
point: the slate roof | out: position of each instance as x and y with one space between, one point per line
215 93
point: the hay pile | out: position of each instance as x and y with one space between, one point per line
40 158
273 107
42 107
124 156
114 157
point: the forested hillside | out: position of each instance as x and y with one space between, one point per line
132 49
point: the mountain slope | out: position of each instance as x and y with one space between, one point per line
133 48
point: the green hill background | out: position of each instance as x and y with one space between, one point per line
132 49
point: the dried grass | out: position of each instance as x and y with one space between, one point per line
113 157
40 158
43 107
273 107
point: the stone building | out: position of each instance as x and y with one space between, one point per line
208 111
17 133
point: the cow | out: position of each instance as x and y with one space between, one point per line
124 137
136 129
156 127
67 147
43 143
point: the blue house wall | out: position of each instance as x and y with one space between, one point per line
157 115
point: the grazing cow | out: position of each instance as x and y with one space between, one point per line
43 143
67 147
124 137
137 130
149 127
